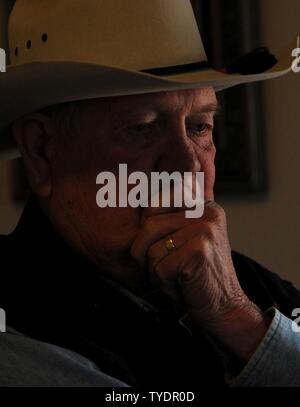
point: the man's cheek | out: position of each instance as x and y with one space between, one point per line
209 181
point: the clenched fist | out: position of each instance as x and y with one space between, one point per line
190 260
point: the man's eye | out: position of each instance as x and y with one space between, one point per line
140 128
201 128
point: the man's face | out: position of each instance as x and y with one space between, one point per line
170 131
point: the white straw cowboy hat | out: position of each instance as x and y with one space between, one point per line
68 50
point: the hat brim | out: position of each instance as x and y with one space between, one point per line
29 87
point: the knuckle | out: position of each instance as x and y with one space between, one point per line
204 247
200 247
208 230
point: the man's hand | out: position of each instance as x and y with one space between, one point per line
199 271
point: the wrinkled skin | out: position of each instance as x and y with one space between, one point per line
171 131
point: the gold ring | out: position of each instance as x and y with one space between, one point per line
169 243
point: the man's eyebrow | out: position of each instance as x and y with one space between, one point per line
210 108
213 107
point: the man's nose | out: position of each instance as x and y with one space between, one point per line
178 152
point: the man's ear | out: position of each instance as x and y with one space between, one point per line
34 137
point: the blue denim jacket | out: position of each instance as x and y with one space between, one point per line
25 362
276 361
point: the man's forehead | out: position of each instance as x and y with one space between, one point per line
199 99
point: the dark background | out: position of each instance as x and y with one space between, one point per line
229 30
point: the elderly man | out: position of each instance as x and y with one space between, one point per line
119 296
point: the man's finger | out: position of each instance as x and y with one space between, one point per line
159 250
154 229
